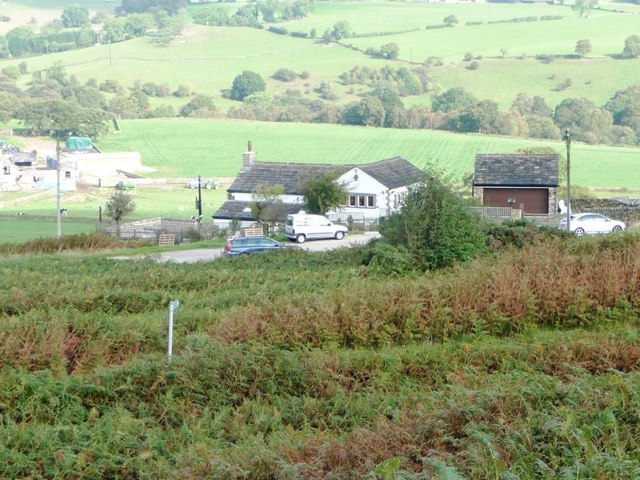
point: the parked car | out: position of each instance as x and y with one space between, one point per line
302 227
591 224
249 245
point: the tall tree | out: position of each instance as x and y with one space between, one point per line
454 99
75 16
323 193
118 206
583 47
584 7
245 84
631 47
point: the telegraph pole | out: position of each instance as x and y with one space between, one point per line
567 140
199 199
58 213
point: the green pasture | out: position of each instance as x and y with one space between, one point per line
553 37
19 231
209 58
374 17
151 201
188 147
502 79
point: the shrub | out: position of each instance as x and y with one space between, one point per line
285 75
435 225
386 259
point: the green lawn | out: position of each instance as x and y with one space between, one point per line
19 231
191 147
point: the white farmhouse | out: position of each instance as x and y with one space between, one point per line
374 189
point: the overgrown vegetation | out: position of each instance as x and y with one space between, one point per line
315 366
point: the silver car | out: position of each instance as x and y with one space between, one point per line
591 224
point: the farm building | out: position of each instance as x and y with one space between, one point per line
374 189
522 181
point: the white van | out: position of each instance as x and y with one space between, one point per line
302 226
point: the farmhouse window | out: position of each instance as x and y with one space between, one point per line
362 201
67 174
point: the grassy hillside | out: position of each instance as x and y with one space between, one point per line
209 58
308 366
188 147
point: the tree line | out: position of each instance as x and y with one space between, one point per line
88 108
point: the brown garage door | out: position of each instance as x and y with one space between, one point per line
535 200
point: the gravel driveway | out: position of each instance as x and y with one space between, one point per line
209 254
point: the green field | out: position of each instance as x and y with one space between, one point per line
18 231
208 58
191 147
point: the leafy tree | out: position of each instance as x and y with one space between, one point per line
183 90
450 21
454 99
134 105
267 205
20 41
92 123
339 31
138 24
245 84
57 73
115 30
369 111
119 205
543 127
625 108
631 47
200 106
75 16
511 123
586 121
52 116
389 51
480 117
435 225
584 7
583 47
85 96
532 106
9 104
323 193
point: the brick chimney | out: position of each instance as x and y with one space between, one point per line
249 157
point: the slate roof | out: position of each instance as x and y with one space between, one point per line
241 210
393 172
522 170
291 176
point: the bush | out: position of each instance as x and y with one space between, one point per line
278 30
386 259
285 75
435 226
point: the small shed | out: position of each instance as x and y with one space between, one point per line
518 180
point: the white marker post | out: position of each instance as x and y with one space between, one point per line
173 306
